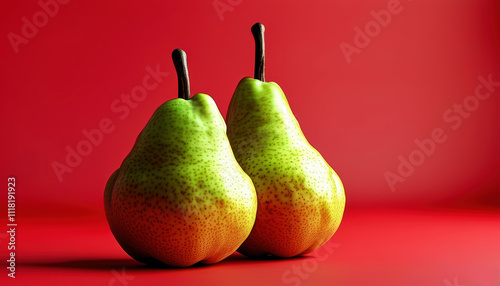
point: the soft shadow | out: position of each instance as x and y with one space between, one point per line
88 264
110 264
240 258
105 264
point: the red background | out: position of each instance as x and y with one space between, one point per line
361 115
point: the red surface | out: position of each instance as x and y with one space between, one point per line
425 247
364 113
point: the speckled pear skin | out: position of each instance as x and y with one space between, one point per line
180 197
301 199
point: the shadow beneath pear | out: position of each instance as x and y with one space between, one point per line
87 264
131 264
106 265
240 258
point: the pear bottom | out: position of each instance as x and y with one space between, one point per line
288 231
177 236
294 219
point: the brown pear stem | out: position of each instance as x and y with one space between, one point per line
258 35
180 62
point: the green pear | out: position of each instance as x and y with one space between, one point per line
180 197
301 199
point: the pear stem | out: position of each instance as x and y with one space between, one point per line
258 35
180 62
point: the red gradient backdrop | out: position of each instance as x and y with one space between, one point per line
362 110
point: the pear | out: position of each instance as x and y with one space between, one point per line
301 199
180 197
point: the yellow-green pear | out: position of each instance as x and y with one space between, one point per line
301 199
180 197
